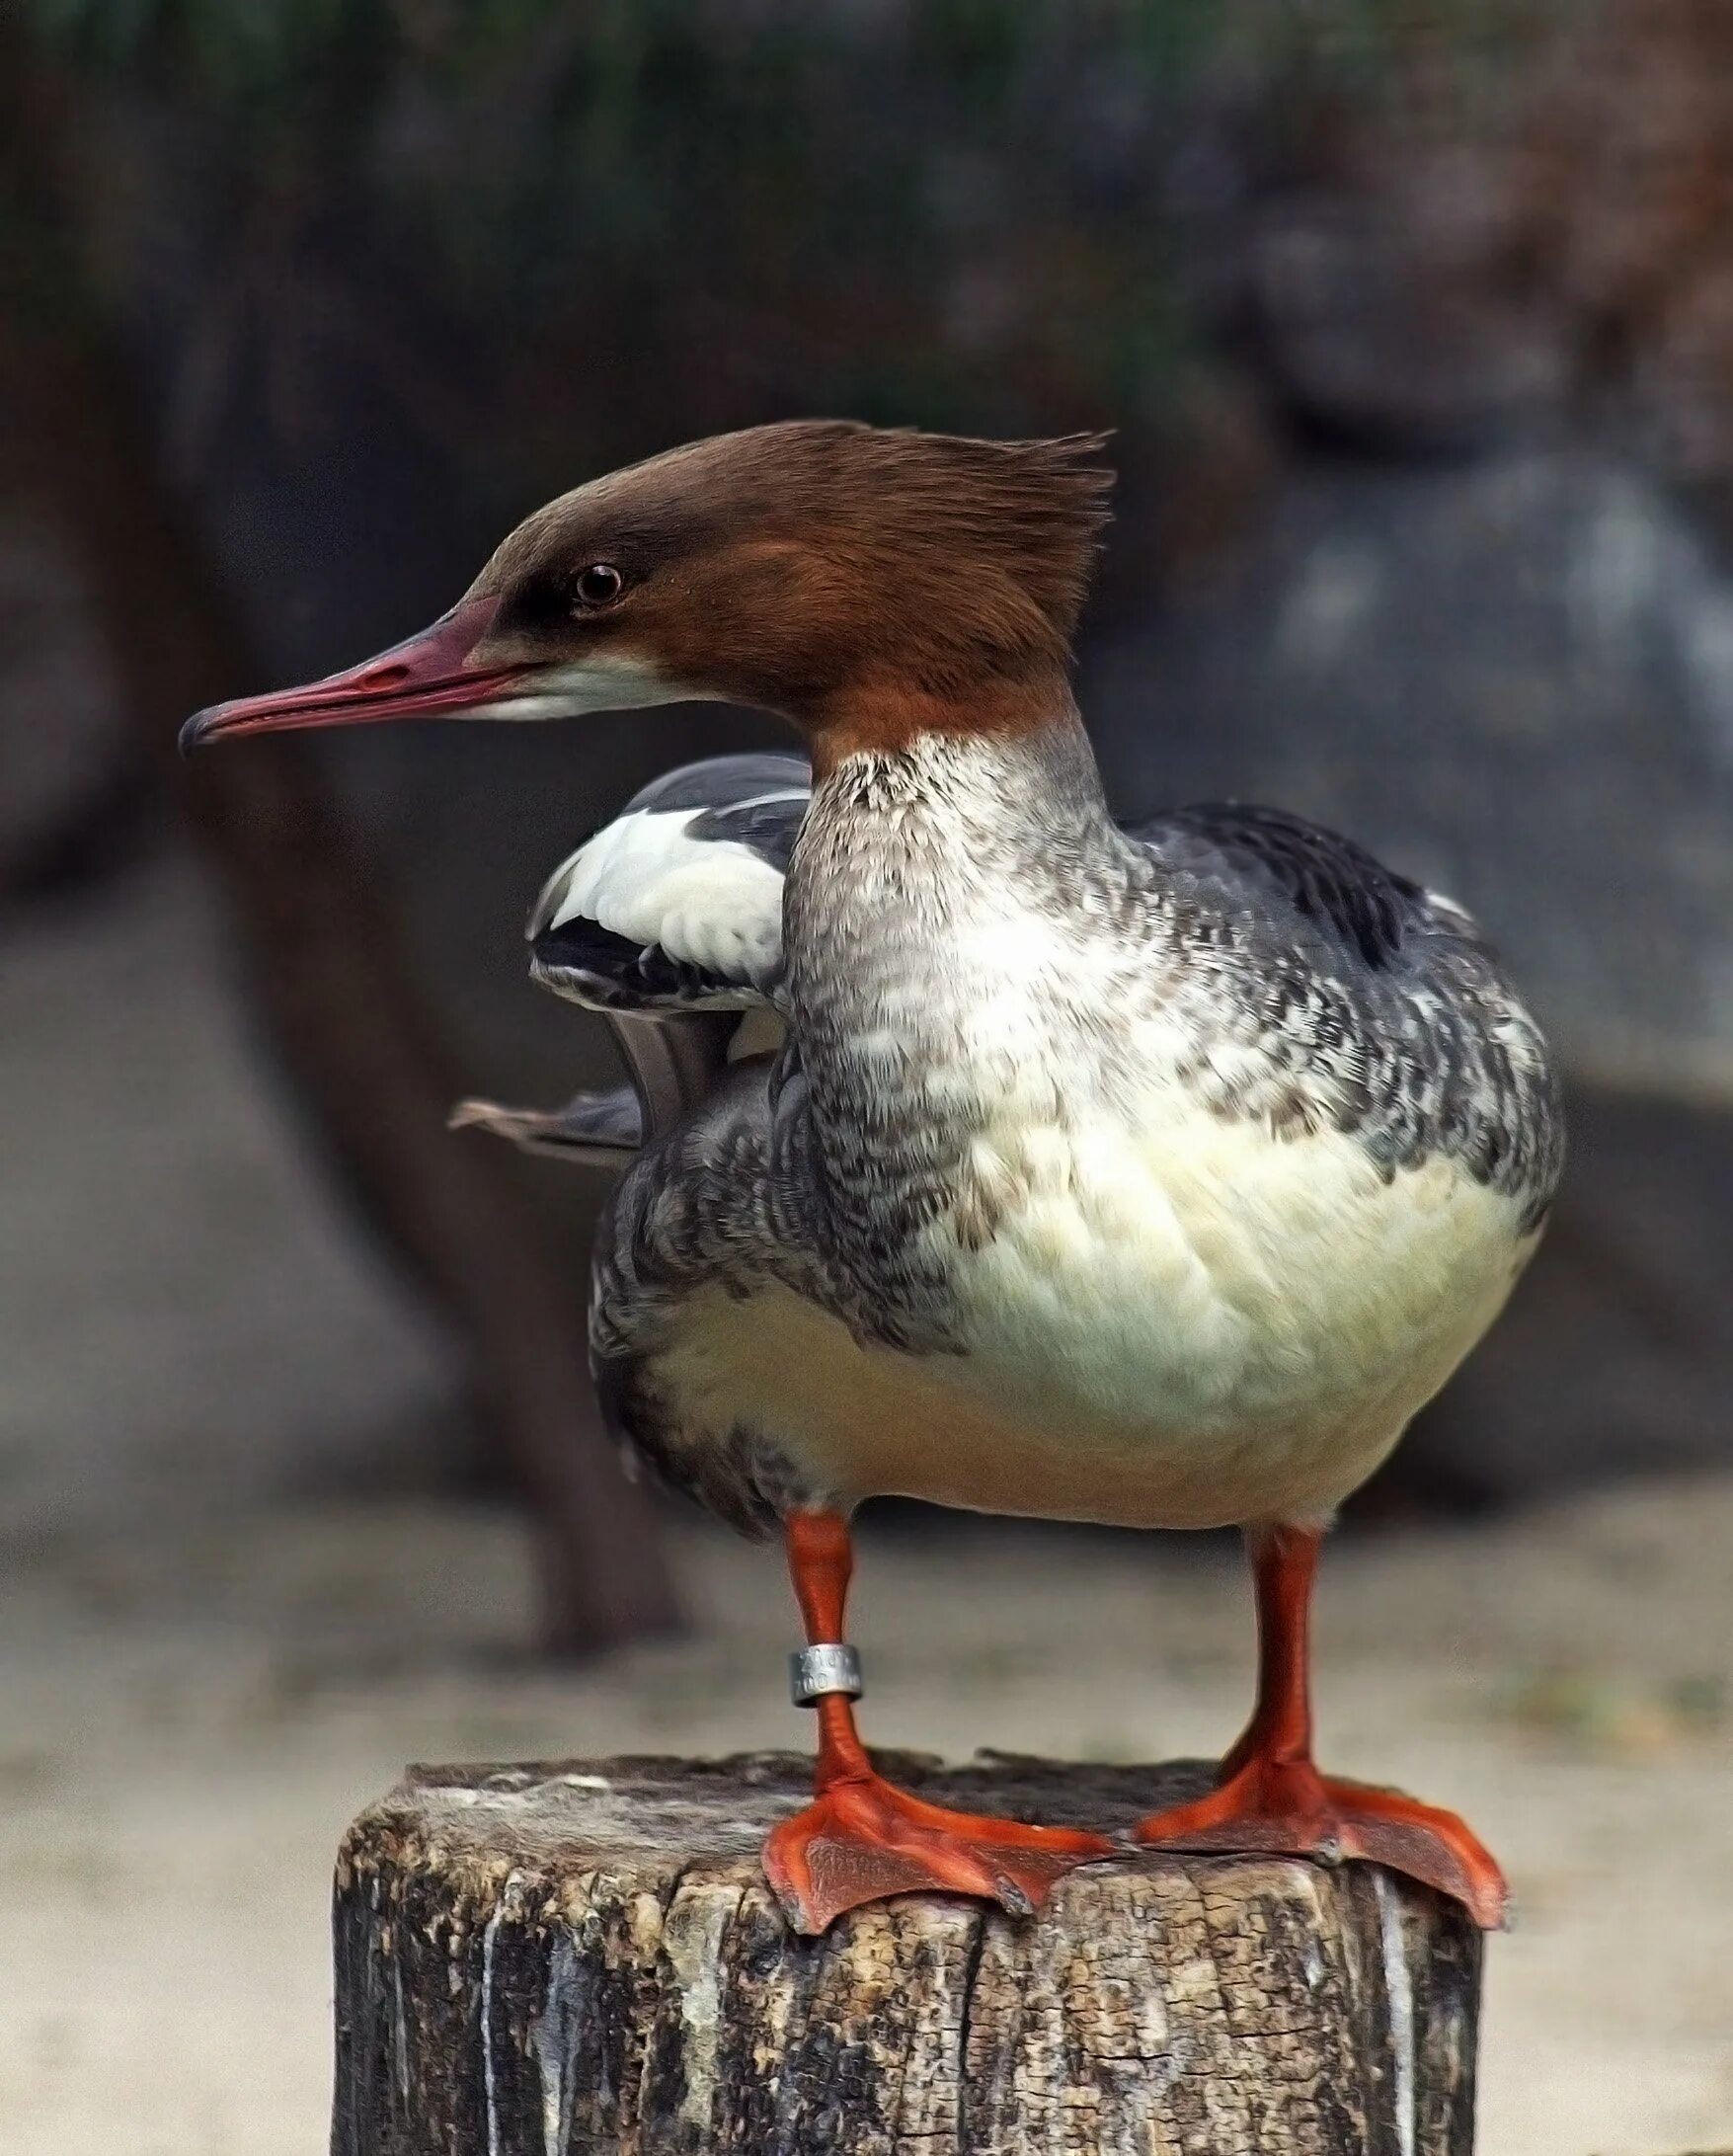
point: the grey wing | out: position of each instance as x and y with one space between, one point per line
1371 993
1281 861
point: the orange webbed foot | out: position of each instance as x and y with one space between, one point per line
862 1839
1282 1808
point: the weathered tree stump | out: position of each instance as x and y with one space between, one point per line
577 1958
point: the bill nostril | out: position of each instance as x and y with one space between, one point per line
384 678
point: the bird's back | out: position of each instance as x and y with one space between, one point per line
1319 986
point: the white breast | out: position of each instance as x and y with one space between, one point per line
1201 1328
1265 1314
1237 1322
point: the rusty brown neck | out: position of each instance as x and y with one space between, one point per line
883 715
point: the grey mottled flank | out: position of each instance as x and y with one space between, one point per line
727 1195
1308 988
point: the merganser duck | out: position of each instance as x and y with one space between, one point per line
1148 1177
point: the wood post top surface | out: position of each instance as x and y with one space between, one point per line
573 1815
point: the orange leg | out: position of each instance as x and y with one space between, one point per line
1272 1798
863 1838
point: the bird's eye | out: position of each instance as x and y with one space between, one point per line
599 585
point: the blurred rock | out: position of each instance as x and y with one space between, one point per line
1513 681
1616 1357
1436 267
1381 318
1617 185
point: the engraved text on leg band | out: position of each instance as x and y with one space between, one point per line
814 1672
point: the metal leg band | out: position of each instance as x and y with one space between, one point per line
814 1672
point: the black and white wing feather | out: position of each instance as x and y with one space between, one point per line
669 920
677 904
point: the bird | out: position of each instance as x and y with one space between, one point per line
1148 1176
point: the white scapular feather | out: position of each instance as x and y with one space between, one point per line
706 902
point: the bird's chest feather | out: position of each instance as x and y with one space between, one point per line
1021 1115
1103 1236
1173 1326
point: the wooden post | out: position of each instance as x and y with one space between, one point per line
579 1959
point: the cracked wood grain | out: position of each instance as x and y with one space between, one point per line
583 1959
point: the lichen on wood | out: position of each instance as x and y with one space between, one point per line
583 1958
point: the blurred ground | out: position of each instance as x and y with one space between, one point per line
189 1722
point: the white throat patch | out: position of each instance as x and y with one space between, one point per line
610 682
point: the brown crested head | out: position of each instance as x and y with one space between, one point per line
821 569
783 565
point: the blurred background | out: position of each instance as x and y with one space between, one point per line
1415 326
